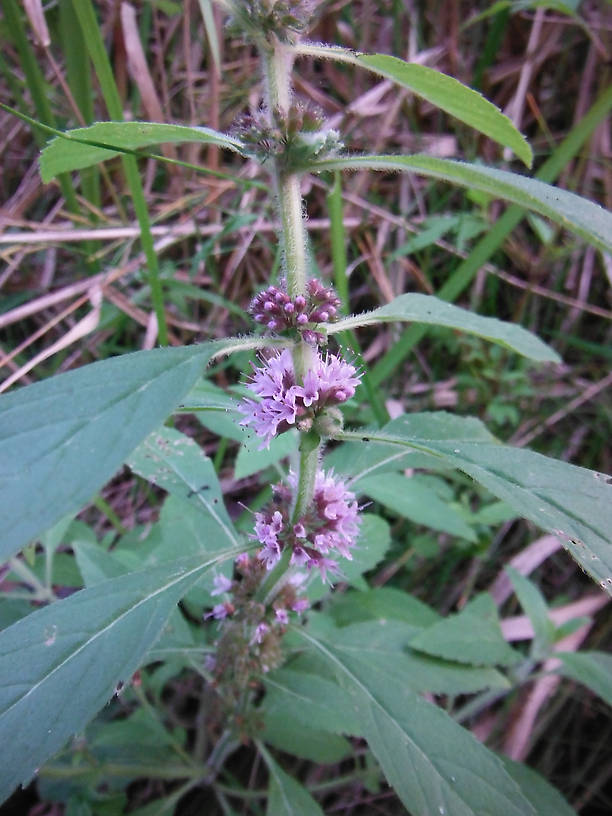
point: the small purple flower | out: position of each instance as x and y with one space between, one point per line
301 605
222 584
329 382
220 611
261 630
281 616
329 527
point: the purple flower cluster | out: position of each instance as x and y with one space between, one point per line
329 382
274 309
329 526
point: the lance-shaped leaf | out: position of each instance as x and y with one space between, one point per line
61 664
434 765
417 308
573 503
286 796
592 669
572 212
441 90
83 147
61 439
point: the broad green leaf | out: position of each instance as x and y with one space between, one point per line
571 502
83 147
373 542
284 732
215 409
364 458
441 90
286 796
592 669
95 563
386 643
467 638
61 439
184 530
172 460
251 460
572 212
417 308
72 654
311 700
414 499
546 800
381 603
434 765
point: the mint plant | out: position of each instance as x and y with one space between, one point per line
287 662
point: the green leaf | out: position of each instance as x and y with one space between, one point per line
417 308
434 765
381 603
73 653
286 796
83 147
536 609
251 460
414 499
215 409
184 530
546 800
467 638
572 212
386 643
310 699
364 458
451 96
171 460
63 438
573 503
284 732
441 90
592 669
372 544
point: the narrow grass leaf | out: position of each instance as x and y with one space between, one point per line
89 642
417 308
84 147
572 212
63 438
443 91
434 765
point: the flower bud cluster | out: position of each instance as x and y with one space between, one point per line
250 631
294 138
274 309
285 19
328 527
286 403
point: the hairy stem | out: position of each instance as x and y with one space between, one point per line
277 60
